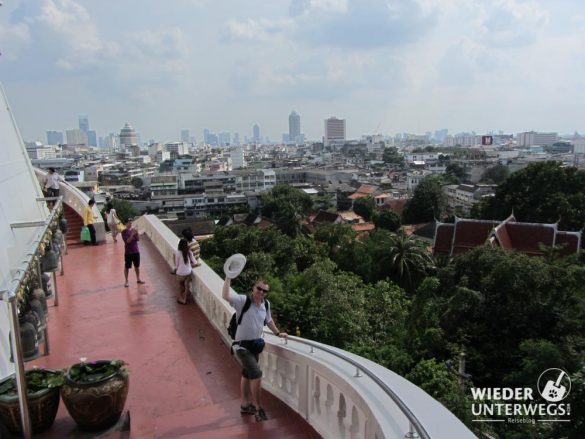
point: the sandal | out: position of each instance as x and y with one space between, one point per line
248 409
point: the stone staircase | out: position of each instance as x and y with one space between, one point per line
74 225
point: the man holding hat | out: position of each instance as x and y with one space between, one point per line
248 341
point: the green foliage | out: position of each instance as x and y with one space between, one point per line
427 203
542 192
391 156
532 299
37 380
94 371
495 175
388 220
454 173
137 182
399 257
124 209
364 207
287 206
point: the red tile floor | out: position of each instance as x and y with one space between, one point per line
183 381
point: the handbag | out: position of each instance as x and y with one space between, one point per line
121 227
85 235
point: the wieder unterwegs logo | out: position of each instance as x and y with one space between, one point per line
520 404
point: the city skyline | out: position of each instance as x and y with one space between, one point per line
409 66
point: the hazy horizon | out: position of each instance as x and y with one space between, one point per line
384 66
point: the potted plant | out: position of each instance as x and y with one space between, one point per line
42 393
95 393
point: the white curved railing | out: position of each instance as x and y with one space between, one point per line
341 395
77 200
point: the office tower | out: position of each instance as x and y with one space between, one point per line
236 139
532 138
54 137
256 133
92 138
285 138
84 123
128 136
185 136
76 137
223 138
334 131
294 127
206 136
91 134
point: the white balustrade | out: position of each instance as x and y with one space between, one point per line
77 200
321 382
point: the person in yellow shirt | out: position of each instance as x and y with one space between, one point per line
88 220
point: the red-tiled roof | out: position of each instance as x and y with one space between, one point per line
443 239
326 217
470 234
465 234
363 227
367 189
569 241
395 205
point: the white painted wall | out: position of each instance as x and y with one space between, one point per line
19 189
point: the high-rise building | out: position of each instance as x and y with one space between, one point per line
92 138
185 136
224 138
334 131
91 134
76 137
236 139
54 137
294 127
83 123
256 133
128 136
532 138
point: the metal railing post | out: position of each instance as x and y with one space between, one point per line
10 298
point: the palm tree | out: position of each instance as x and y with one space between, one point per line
405 259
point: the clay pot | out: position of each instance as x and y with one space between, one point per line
97 405
42 408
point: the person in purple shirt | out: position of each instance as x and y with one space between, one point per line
131 252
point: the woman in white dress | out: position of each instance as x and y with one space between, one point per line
113 221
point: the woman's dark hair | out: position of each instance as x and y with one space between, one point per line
91 202
184 248
187 234
109 207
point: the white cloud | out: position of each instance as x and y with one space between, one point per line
261 30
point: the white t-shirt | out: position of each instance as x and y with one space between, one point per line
184 268
252 321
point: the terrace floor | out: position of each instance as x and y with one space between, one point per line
183 381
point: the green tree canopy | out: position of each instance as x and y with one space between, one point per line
495 175
364 207
391 156
542 192
287 206
388 220
427 203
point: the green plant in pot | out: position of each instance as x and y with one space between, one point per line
95 393
42 393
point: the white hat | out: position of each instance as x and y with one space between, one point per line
234 265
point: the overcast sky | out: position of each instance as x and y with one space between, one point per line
384 65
